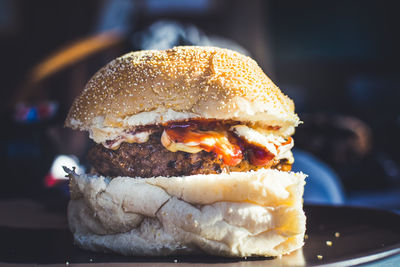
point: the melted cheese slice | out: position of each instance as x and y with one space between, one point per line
140 137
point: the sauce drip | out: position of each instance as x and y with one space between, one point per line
210 141
259 156
228 147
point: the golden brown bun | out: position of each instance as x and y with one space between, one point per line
206 82
236 214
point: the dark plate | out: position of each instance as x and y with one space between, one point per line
363 235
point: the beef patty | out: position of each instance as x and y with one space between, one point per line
153 159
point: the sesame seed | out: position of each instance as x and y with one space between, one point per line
155 77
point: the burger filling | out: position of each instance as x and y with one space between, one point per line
192 147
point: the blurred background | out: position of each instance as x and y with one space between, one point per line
338 60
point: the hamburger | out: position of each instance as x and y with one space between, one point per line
191 154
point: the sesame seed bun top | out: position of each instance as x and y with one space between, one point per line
184 82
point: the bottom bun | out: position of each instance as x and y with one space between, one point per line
237 214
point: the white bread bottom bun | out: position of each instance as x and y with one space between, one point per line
256 213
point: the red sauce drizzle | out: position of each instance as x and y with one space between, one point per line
228 147
230 153
259 156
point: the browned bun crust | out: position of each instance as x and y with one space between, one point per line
206 82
